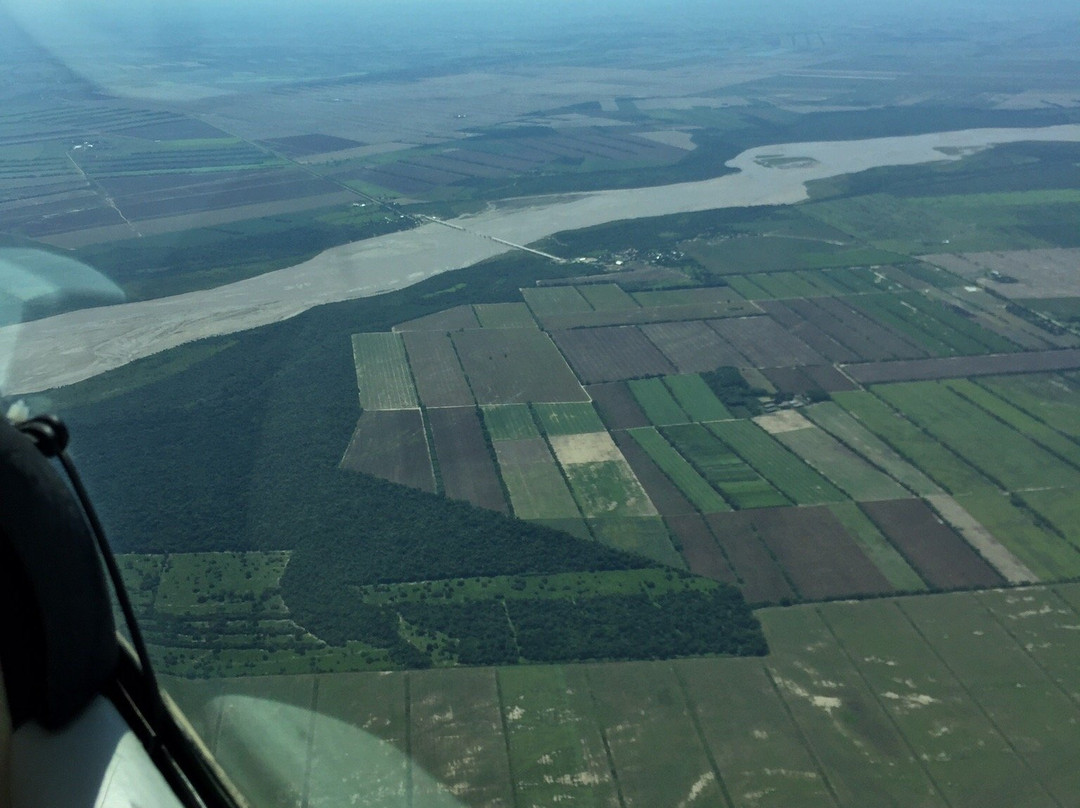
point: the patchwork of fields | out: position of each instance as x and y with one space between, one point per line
622 433
967 699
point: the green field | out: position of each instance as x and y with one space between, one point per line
382 372
607 488
771 254
554 300
681 473
645 536
912 443
607 297
836 421
853 475
999 451
1045 436
535 484
968 700
504 315
1053 399
657 402
1060 507
572 418
695 397
1045 552
788 473
509 422
738 482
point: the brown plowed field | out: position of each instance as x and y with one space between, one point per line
611 354
391 444
941 557
667 498
820 557
700 549
692 346
617 406
950 367
512 366
440 381
465 463
809 333
766 343
762 578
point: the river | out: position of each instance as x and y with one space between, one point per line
70 347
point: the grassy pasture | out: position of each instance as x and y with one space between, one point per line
1046 553
545 300
212 583
607 296
833 419
657 402
1047 437
1035 717
573 418
675 466
1000 451
531 476
696 399
847 470
1060 507
1053 399
913 444
607 488
382 372
644 535
778 465
509 422
504 315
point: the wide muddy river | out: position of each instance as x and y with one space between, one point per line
71 347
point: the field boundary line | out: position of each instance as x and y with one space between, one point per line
691 710
502 720
920 762
978 704
801 736
604 738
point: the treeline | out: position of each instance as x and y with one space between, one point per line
637 626
734 391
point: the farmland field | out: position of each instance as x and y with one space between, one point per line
465 463
834 420
681 473
813 335
617 405
611 354
545 300
699 548
382 372
530 474
509 422
853 475
504 315
391 444
788 473
942 558
739 484
766 343
510 366
663 493
1060 507
439 379
1054 400
657 402
607 297
999 451
646 536
692 346
950 367
914 445
697 400
568 419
